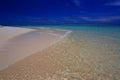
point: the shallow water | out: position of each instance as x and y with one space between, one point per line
95 54
88 53
101 48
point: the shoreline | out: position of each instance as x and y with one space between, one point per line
84 54
23 45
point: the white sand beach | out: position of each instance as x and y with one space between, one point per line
18 43
85 54
7 33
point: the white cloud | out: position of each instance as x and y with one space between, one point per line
103 19
108 19
76 2
86 18
116 3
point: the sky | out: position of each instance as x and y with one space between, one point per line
37 12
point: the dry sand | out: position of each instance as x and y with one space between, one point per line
7 33
18 43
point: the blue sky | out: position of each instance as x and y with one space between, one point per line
15 12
